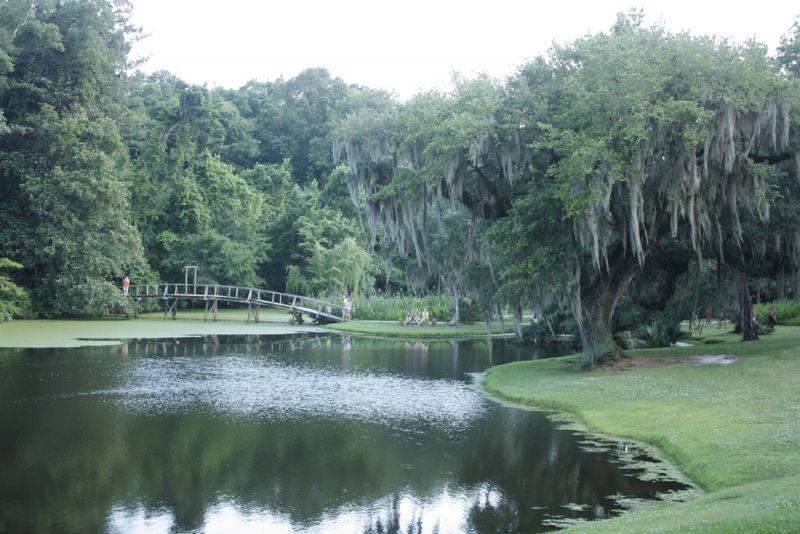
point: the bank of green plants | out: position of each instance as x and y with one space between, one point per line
787 310
395 308
440 331
14 300
733 429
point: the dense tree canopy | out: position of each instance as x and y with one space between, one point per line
601 175
587 160
65 208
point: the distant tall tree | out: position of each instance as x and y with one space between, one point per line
408 164
63 168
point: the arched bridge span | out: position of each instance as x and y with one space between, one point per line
318 310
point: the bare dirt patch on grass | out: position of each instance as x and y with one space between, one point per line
631 364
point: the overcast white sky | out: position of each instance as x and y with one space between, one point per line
407 46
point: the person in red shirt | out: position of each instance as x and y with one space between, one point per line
708 314
126 283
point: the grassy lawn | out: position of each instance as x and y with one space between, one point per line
394 329
734 429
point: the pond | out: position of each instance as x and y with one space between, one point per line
297 433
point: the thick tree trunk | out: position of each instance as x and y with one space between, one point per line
696 297
499 311
550 327
595 310
745 307
781 283
456 308
518 321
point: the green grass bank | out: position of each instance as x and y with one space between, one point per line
395 329
733 428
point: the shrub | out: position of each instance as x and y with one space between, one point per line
563 324
788 311
93 299
662 331
395 308
14 300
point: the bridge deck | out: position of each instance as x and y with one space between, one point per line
318 309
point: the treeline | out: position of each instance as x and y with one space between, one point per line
623 181
105 174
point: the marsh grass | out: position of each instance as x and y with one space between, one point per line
727 426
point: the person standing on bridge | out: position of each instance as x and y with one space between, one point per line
126 283
347 307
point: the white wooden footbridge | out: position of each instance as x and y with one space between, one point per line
319 311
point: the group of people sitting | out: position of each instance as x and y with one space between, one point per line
417 317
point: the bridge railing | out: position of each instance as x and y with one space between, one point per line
244 295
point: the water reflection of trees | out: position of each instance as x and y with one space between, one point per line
306 471
431 359
69 458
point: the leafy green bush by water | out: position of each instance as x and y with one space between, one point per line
383 308
788 311
94 299
14 300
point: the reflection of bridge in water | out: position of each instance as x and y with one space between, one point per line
210 344
319 311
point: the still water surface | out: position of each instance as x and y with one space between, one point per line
293 434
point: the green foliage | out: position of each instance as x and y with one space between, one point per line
296 282
318 248
219 259
63 166
438 331
92 299
384 308
562 324
79 225
787 311
544 190
662 331
14 300
291 120
789 50
349 267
